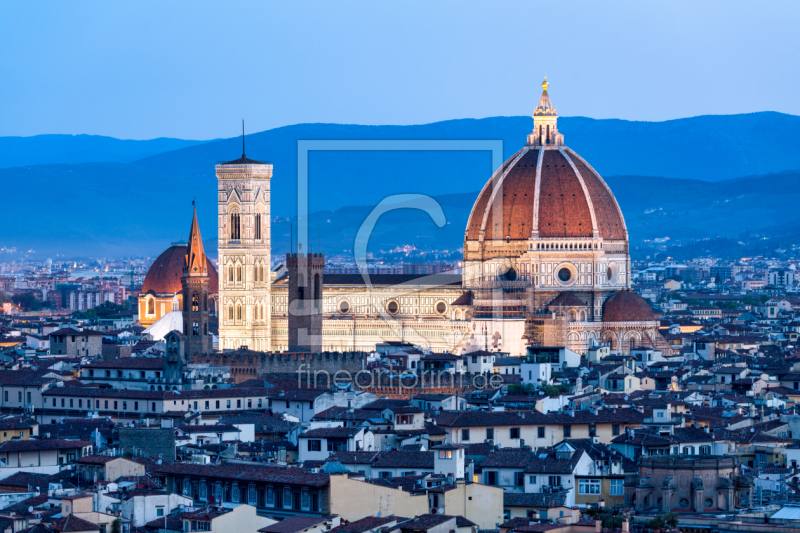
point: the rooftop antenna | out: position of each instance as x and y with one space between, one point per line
243 156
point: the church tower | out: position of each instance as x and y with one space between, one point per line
244 254
195 281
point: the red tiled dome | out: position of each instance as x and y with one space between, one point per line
627 306
164 276
568 192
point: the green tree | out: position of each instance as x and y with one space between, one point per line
555 390
104 310
670 520
26 302
520 388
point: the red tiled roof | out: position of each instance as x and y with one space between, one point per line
627 306
247 472
563 209
367 524
73 523
293 524
43 444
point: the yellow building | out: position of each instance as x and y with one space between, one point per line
13 428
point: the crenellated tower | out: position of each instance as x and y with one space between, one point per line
244 253
305 301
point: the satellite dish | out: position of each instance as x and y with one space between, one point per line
30 509
159 461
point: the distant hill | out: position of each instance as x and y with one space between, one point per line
72 149
742 211
114 208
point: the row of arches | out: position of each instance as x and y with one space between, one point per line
237 274
236 312
566 246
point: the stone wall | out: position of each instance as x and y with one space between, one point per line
155 443
247 364
115 351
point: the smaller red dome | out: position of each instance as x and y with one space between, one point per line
164 275
627 306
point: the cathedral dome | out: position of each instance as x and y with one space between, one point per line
545 190
627 306
547 193
164 276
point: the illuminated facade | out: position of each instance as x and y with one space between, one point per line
244 254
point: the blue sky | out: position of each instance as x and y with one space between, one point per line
141 70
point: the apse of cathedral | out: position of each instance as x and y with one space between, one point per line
546 263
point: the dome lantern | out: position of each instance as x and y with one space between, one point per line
545 122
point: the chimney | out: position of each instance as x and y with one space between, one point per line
598 526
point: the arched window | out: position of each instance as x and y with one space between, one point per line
151 306
258 226
195 303
230 312
235 226
238 312
263 270
230 273
195 329
238 273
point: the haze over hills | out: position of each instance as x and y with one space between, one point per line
117 208
72 149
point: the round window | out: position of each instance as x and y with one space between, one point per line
611 273
684 503
564 274
392 307
441 307
709 503
344 306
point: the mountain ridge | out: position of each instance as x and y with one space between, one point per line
117 209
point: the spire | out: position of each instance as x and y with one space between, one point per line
195 264
243 156
545 122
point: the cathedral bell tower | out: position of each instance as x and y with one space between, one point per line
195 282
244 254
